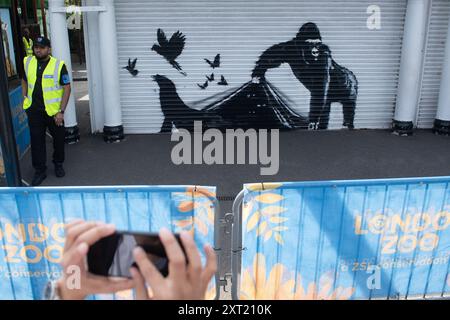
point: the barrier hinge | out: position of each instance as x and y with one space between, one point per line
228 222
225 282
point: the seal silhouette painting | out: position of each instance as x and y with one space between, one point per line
177 114
258 103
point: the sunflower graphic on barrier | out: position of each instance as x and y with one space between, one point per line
262 212
283 284
196 206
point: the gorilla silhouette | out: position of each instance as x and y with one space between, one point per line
312 64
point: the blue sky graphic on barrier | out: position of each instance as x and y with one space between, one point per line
32 226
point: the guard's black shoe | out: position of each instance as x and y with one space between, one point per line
59 171
38 178
349 125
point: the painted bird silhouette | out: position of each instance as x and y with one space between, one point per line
203 86
177 113
216 63
170 49
131 67
222 81
210 78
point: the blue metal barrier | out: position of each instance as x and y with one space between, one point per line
20 122
32 226
372 239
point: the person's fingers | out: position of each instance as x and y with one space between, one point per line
74 231
88 234
96 233
74 256
148 270
175 255
193 256
210 267
139 284
72 222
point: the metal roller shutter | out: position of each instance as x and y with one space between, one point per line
434 59
240 31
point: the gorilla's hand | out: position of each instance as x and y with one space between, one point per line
257 80
258 74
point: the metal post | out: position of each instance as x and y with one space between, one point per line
411 66
17 25
7 136
61 50
34 7
44 19
236 246
93 65
113 129
442 122
24 11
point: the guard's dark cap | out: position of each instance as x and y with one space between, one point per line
42 42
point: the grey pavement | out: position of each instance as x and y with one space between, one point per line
79 71
145 159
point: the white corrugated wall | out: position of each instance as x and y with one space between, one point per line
240 31
434 59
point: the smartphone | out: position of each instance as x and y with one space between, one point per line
112 256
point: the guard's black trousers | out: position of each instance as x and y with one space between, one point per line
39 122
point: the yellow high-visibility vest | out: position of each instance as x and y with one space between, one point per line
51 89
28 45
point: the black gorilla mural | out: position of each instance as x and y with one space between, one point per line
312 64
259 104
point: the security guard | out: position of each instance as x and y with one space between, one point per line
27 42
46 90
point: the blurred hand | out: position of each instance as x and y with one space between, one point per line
59 119
185 281
79 236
